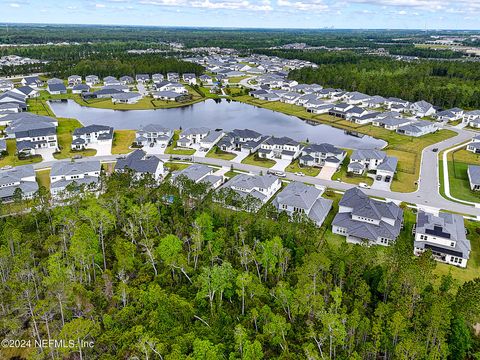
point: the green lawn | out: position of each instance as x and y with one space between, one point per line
122 139
12 160
407 149
307 170
458 162
43 178
217 153
172 148
64 134
174 166
254 159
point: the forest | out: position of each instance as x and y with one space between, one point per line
162 272
445 84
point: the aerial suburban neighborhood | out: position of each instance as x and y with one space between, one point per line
243 194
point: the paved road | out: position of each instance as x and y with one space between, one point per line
426 196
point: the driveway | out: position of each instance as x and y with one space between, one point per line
327 172
381 185
142 90
240 156
103 149
47 154
154 149
280 164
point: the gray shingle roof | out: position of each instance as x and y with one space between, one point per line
194 172
139 162
66 168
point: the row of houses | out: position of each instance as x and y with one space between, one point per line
361 219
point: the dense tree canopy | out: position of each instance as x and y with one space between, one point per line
140 275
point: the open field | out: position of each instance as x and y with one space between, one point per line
307 170
122 139
216 153
407 149
254 159
458 162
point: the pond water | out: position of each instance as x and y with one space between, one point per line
222 114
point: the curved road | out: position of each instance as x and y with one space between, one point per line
427 194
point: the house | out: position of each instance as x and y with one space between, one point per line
189 78
32 81
444 235
153 134
91 134
142 78
355 98
302 100
92 80
472 116
364 220
417 128
11 108
205 79
388 168
27 91
54 81
80 88
111 80
363 160
198 173
126 98
102 93
191 136
299 199
340 110
211 139
126 80
173 77
473 173
67 176
373 102
289 97
156 78
169 96
360 115
56 88
119 88
244 140
171 86
31 132
259 188
449 115
422 108
6 85
390 122
474 145
141 164
319 155
396 103
19 179
282 148
74 80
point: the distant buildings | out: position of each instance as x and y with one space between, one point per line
18 180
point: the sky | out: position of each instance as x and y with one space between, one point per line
367 14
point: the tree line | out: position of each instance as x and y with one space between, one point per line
161 271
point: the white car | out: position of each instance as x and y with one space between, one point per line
299 173
363 185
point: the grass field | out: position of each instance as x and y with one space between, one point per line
458 162
216 153
407 149
174 166
307 170
122 139
43 178
254 159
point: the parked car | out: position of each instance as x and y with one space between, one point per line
299 173
378 178
280 174
435 149
363 185
387 178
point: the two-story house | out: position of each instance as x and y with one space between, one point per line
67 177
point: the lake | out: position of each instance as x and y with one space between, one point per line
227 115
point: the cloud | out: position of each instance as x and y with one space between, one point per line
263 5
303 5
100 6
14 5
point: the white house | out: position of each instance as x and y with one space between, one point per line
444 235
67 175
282 148
83 137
